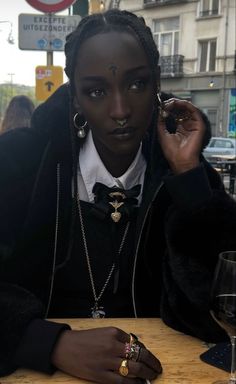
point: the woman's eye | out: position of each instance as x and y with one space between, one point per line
137 85
95 93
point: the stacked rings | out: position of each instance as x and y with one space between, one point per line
132 349
132 352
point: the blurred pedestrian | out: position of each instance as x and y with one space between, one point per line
18 113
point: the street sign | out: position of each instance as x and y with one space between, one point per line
45 32
50 6
48 79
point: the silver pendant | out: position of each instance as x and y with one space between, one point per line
97 312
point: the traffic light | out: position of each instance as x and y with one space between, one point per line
80 7
85 7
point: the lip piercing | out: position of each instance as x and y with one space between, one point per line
121 122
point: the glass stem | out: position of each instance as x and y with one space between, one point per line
233 365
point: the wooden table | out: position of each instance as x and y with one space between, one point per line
178 353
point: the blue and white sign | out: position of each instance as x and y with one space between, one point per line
45 32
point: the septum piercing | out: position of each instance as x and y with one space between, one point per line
122 122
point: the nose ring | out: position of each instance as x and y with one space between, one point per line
122 122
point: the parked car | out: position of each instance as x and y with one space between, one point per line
220 149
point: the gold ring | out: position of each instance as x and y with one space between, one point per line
124 369
182 117
132 338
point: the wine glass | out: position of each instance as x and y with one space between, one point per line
223 303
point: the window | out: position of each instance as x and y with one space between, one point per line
207 55
166 35
155 1
209 7
212 116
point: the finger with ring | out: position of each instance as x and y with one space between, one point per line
124 369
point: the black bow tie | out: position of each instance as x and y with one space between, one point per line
114 202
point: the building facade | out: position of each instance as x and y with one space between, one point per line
197 44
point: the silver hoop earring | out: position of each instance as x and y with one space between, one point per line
159 97
81 133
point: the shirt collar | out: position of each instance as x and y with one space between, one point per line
92 170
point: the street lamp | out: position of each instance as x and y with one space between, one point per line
10 38
11 82
102 6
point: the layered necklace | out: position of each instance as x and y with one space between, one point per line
98 311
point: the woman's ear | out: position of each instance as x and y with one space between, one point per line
76 105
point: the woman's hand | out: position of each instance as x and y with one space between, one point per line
182 148
96 355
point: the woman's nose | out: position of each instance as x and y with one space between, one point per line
119 107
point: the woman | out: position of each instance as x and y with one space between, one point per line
113 213
18 113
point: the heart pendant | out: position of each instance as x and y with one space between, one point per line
116 216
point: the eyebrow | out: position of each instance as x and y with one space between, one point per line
137 69
128 72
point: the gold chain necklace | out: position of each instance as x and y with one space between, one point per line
97 311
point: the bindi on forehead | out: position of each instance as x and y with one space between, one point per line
113 68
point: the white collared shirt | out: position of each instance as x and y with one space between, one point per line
91 170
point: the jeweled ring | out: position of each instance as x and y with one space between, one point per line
132 351
124 369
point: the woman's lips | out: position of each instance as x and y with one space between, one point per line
123 131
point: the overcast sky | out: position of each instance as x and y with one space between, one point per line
18 65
